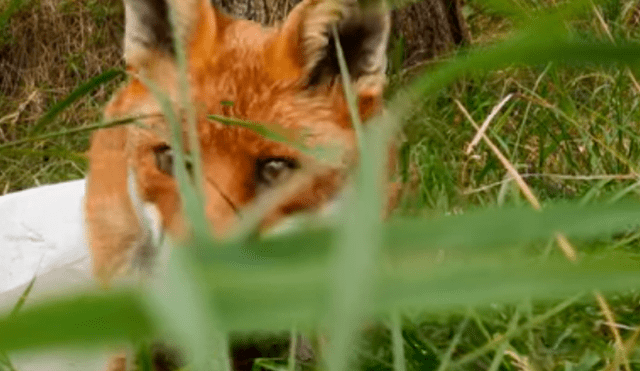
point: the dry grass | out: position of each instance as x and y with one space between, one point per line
48 48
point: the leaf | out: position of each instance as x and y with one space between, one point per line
23 298
83 129
296 294
270 131
299 293
78 93
291 137
487 230
191 196
85 319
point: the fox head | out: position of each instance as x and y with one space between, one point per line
287 76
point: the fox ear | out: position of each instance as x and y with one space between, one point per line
363 31
149 35
305 46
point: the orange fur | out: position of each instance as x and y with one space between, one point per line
267 74
262 72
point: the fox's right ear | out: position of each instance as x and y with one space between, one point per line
305 48
149 35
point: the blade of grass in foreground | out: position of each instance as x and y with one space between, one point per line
272 132
178 302
190 196
179 288
355 261
76 157
5 362
78 93
485 230
80 320
102 125
276 133
299 294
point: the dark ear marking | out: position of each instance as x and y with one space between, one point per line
148 25
360 37
150 34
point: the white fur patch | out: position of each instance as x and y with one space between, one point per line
145 256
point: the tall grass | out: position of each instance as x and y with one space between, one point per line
336 277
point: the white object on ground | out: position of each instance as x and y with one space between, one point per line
42 236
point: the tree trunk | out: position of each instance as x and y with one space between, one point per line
429 28
426 29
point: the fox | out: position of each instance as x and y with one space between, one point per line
287 76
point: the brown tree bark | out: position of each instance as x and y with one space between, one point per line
427 28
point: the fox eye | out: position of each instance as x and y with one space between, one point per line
272 171
164 159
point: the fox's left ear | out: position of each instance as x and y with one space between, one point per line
305 46
149 35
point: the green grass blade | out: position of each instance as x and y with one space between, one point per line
178 289
355 262
493 228
143 357
53 153
11 9
300 294
190 197
186 104
288 136
23 298
4 357
83 129
78 93
513 331
446 359
488 230
499 355
87 319
269 131
399 361
177 299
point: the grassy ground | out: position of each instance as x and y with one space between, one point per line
571 132
47 49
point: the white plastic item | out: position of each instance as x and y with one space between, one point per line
42 236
